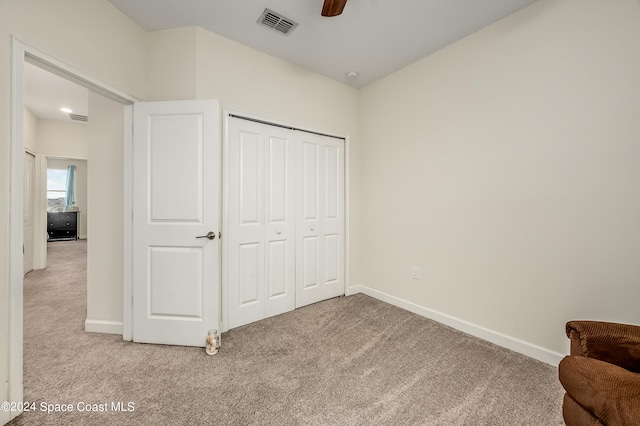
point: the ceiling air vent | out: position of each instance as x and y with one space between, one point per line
77 117
276 21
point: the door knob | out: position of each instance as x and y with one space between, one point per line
210 235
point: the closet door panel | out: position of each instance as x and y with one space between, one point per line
333 218
280 226
261 198
331 258
246 226
286 220
309 263
331 183
310 199
278 174
250 282
249 185
310 181
320 251
277 264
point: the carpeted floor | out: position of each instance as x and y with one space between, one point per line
346 361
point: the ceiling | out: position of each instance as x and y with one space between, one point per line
45 93
372 37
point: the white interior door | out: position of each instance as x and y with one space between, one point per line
285 220
320 245
176 177
28 194
261 217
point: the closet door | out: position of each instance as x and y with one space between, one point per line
261 257
320 223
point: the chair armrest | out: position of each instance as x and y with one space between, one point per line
606 391
615 343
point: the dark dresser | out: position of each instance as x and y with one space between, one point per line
62 226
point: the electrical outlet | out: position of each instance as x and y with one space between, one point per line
415 273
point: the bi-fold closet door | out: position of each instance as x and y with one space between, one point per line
285 220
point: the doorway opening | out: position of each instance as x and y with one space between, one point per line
20 138
58 142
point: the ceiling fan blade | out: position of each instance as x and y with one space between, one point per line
333 7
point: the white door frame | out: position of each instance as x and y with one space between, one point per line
39 218
226 115
35 207
22 52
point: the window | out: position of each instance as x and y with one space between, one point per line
56 188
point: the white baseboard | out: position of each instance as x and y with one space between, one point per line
523 347
101 326
353 290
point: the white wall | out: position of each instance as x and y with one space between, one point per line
30 129
105 263
171 69
80 179
506 167
58 138
90 35
253 81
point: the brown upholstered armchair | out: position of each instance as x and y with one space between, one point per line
602 374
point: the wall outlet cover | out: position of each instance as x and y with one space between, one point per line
415 273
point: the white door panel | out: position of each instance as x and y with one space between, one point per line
331 186
261 238
320 225
176 197
280 222
250 152
309 181
331 258
286 220
171 265
249 295
246 216
309 262
176 186
334 220
277 269
277 193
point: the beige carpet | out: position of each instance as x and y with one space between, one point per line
346 361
